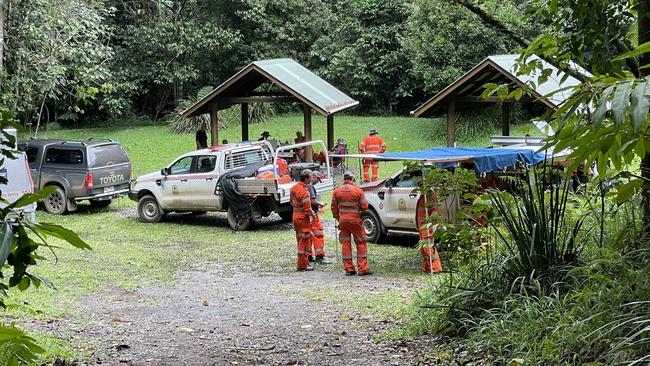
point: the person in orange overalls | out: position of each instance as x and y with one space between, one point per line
317 236
348 201
371 144
302 213
430 259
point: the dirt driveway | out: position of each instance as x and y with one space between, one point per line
213 317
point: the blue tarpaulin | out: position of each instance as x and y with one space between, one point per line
485 159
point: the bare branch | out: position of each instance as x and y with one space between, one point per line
516 37
494 23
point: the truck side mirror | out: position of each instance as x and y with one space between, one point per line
388 183
164 171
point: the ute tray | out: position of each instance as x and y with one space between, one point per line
257 186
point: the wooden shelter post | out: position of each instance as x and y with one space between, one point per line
214 125
451 123
330 132
307 131
244 121
506 108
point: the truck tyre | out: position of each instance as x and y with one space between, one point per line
100 203
56 203
372 226
149 209
242 225
286 216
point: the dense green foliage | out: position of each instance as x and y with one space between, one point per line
444 41
20 241
78 60
571 295
56 58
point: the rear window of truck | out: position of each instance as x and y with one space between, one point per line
240 159
64 156
105 155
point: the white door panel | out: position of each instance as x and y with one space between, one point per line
400 205
175 187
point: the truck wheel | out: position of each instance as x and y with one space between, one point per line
100 203
286 216
241 225
373 227
149 210
56 202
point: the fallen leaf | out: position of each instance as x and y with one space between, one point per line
344 317
116 319
205 302
187 330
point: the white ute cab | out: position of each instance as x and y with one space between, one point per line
189 183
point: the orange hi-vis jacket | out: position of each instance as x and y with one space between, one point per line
423 210
347 201
372 145
300 201
302 213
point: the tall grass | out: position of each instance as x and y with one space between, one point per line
538 296
534 228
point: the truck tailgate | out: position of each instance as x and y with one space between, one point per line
271 187
284 190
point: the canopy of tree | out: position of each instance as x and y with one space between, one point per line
75 60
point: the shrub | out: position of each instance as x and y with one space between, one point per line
558 311
534 228
257 112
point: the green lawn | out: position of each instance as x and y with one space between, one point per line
129 254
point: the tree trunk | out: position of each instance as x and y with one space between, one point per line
643 22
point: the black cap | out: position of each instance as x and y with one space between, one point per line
373 132
348 176
265 133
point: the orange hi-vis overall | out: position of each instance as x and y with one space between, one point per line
302 212
430 259
347 203
371 145
317 237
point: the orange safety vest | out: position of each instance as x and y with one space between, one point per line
347 201
372 145
422 212
300 201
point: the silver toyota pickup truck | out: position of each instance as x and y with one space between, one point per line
94 170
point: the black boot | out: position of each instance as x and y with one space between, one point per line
323 260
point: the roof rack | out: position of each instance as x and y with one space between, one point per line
96 139
74 142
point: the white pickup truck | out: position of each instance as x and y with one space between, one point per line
392 206
189 183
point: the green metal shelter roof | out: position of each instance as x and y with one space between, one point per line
501 69
297 81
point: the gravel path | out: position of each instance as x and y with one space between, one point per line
213 318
